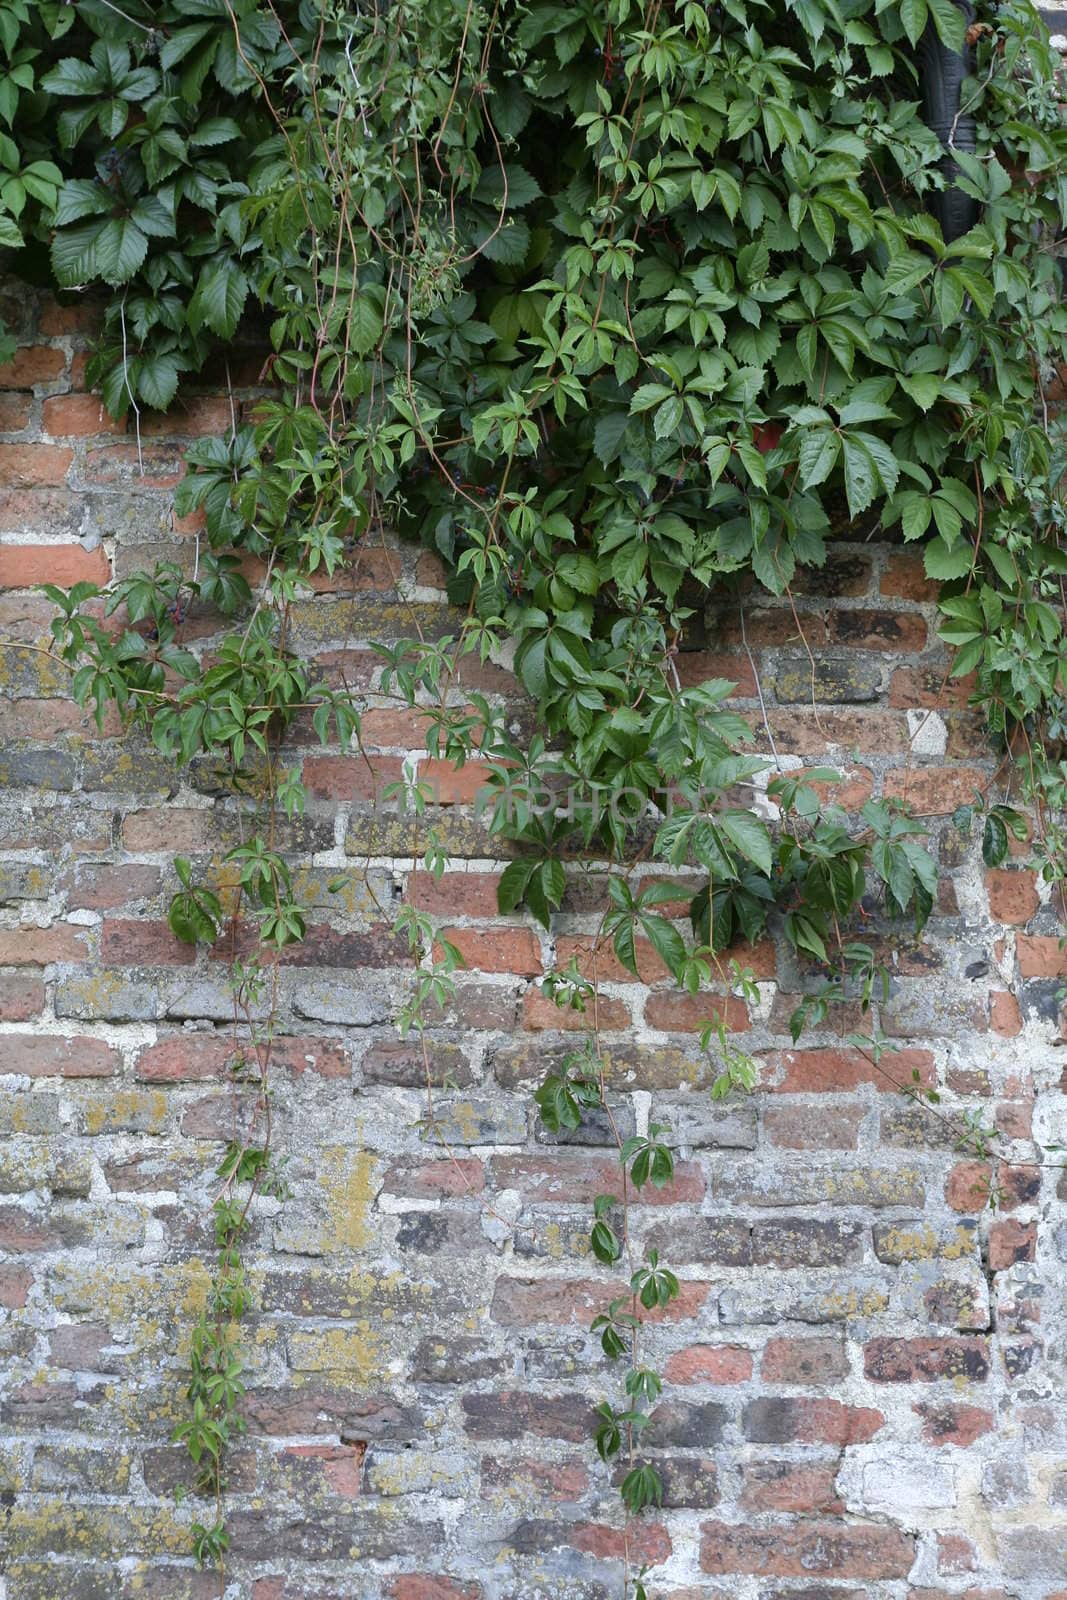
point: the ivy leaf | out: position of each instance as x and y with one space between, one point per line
219 298
82 197
817 456
608 433
913 15
512 886
942 561
750 836
861 475
365 323
157 380
511 185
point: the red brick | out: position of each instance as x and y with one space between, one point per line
1041 955
699 666
190 417
38 947
523 1302
394 730
851 792
21 996
608 967
768 627
688 1013
572 1176
341 1465
806 1550
31 365
805 732
709 1363
450 785
430 1586
1005 1018
951 1423
497 950
48 720
465 894
901 1360
789 1486
929 689
430 571
24 566
351 777
835 1071
967 1186
542 1015
936 791
48 1055
547 1480
23 466
186 1058
144 944
322 946
813 1361
905 578
14 412
83 316
77 416
1012 894
878 630
15 1286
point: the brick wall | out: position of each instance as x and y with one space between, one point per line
864 1368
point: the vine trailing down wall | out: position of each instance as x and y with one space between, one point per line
638 320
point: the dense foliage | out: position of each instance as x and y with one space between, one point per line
615 306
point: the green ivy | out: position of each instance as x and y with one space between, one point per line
615 306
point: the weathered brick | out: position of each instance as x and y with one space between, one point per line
814 1362
823 1127
520 1302
49 1055
915 1360
804 1550
570 1176
777 1421
707 1363
427 1586
40 947
789 1486
21 996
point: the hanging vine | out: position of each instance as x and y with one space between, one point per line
615 306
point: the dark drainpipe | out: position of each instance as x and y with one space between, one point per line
941 72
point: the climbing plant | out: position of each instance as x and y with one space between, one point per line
617 307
